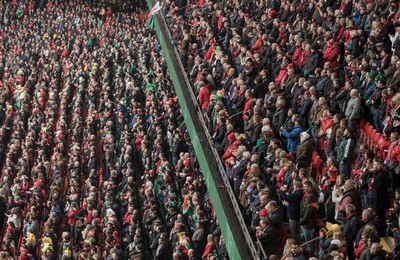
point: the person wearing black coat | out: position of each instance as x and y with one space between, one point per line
219 133
350 229
267 235
305 108
162 251
279 116
308 222
275 215
343 96
293 201
304 151
255 130
378 184
312 61
239 170
377 252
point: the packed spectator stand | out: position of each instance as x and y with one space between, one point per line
301 99
95 160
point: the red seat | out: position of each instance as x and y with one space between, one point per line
363 131
369 130
376 138
370 136
375 142
366 126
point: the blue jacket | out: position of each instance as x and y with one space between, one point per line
293 138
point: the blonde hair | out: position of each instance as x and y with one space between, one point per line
210 238
396 100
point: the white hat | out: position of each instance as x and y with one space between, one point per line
304 136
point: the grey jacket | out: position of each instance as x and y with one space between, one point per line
353 109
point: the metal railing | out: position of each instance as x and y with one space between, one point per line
221 179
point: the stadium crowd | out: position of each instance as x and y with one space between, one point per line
95 160
278 80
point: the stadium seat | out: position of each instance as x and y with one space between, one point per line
375 142
369 134
364 129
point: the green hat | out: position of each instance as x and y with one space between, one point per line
372 74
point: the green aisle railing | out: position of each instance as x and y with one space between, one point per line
234 230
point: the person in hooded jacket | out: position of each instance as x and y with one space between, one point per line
304 151
293 135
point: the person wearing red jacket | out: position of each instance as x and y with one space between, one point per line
384 141
204 96
72 217
209 247
297 52
247 105
331 53
394 148
305 52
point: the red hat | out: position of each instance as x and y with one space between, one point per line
290 65
263 213
9 229
237 143
272 13
308 93
231 136
246 15
115 233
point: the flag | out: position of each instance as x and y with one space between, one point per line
150 17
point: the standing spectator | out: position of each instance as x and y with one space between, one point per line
378 196
204 95
304 151
293 134
305 108
375 102
377 252
332 53
308 222
350 196
279 115
209 247
268 235
395 110
345 153
350 229
219 133
297 251
353 111
292 201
